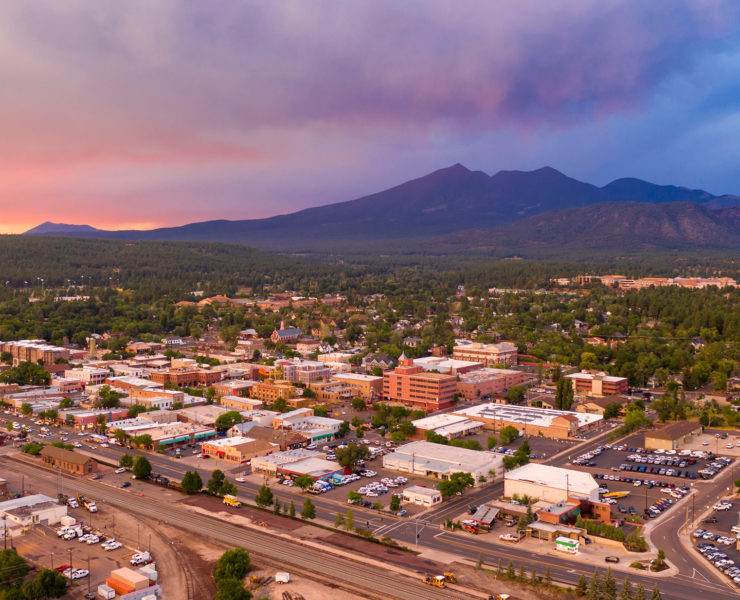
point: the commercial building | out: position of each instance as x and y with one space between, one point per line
68 461
440 461
413 386
86 420
35 351
487 382
597 384
203 415
303 371
239 403
296 462
490 355
269 391
451 366
551 484
423 496
597 405
234 387
303 421
168 435
237 450
333 392
87 375
544 422
285 439
183 376
672 436
447 425
36 509
367 387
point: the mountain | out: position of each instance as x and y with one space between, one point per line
625 226
447 201
49 228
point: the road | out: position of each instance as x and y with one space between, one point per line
694 573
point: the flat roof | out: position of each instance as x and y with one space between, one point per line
237 440
314 466
435 421
555 477
526 415
443 454
420 489
444 365
24 501
357 377
674 430
600 376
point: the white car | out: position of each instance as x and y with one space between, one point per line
80 573
111 545
240 479
93 539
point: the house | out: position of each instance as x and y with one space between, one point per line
672 436
380 360
68 461
596 406
286 439
173 341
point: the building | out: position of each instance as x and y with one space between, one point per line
448 426
451 366
598 384
672 436
529 420
285 336
184 376
269 391
284 438
551 484
68 461
303 371
239 403
303 420
380 360
203 415
490 355
440 461
36 509
367 387
488 382
597 405
412 385
87 375
35 351
423 496
333 392
86 420
273 463
237 450
170 435
235 387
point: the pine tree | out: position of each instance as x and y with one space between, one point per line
609 587
479 564
594 587
292 510
500 568
627 592
656 593
640 592
582 586
510 572
349 520
548 577
533 577
309 510
339 521
522 573
276 507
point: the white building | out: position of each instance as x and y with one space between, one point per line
449 426
87 375
423 496
440 461
36 509
551 484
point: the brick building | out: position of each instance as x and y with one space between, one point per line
597 384
67 461
490 355
411 385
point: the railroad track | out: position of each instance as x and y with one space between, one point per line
345 571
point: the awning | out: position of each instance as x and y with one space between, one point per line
204 434
182 438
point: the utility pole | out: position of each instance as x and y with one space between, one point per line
70 558
89 574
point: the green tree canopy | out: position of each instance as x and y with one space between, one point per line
264 497
192 482
142 468
351 454
228 419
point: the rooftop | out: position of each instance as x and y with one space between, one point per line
420 489
599 376
524 414
230 441
545 475
674 430
447 455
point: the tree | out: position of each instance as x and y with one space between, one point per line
192 482
548 576
66 403
627 592
228 419
640 592
26 409
309 510
232 564
582 586
564 394
656 593
611 410
588 361
26 373
349 520
354 497
264 497
343 430
609 586
398 437
351 454
358 404
141 467
395 502
46 584
510 572
216 482
508 434
135 410
304 482
594 587
291 512
102 424
108 398
120 436
339 521
12 568
126 460
210 395
492 442
515 394
231 589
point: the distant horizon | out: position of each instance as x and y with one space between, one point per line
219 218
141 115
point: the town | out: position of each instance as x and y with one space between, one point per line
452 443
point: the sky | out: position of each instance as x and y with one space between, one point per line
140 114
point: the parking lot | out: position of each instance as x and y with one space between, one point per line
715 539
